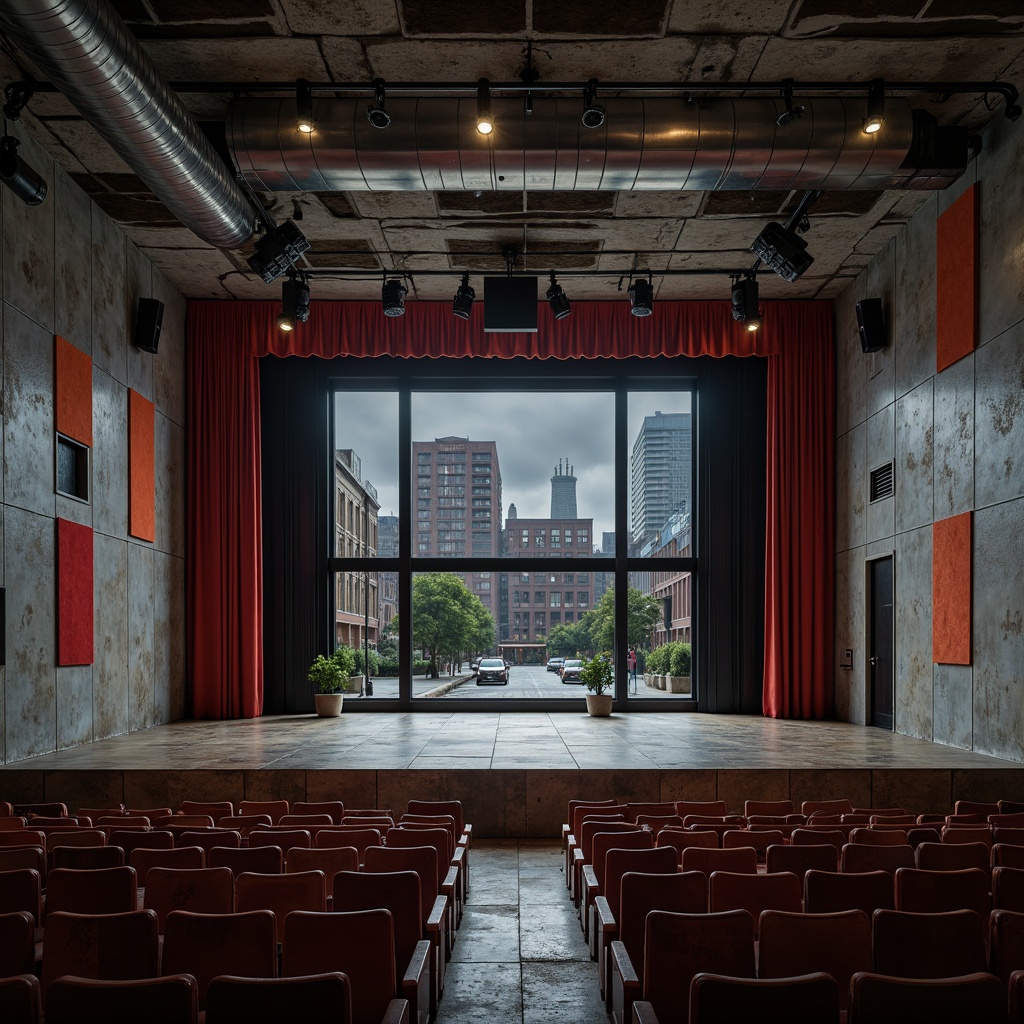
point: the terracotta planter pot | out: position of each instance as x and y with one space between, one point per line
599 705
328 705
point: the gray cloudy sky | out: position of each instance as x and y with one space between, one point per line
532 431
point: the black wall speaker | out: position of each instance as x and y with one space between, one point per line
871 325
147 324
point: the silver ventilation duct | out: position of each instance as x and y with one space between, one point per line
644 143
84 48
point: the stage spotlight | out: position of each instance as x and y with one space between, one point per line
462 304
792 112
484 124
294 302
745 306
876 107
277 250
392 297
782 250
304 107
593 113
27 184
641 296
377 115
558 300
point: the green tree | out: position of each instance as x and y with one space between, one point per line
447 619
642 614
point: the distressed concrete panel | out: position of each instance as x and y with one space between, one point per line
168 638
109 329
954 439
73 262
169 364
953 718
29 571
109 454
170 486
28 414
739 784
141 637
998 630
999 425
1000 254
830 784
880 448
110 677
850 378
76 511
913 470
138 285
28 261
851 488
74 705
914 313
850 696
912 690
878 281
86 788
920 790
168 789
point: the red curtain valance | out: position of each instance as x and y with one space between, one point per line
224 516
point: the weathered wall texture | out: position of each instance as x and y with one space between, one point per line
68 270
957 438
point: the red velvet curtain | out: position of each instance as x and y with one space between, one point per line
225 341
800 524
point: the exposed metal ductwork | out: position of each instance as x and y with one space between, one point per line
86 50
644 143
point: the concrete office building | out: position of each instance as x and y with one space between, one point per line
660 468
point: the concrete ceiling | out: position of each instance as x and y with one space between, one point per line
573 40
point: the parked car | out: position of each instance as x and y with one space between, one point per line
571 670
492 671
555 664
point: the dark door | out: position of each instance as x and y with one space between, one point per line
880 664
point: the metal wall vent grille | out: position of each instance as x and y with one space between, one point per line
881 482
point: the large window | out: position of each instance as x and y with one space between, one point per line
456 503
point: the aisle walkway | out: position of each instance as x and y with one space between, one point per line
520 957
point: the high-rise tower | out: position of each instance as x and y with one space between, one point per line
563 492
661 473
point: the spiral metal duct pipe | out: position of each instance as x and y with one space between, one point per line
645 143
87 51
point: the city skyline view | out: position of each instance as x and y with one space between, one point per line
532 432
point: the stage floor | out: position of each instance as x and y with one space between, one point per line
515 770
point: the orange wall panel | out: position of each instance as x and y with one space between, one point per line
952 568
73 392
956 280
141 468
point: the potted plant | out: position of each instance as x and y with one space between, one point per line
330 676
679 671
596 676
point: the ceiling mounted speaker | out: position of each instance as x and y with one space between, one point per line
148 320
871 325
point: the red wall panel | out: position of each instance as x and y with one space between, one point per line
73 392
956 280
952 566
74 594
141 468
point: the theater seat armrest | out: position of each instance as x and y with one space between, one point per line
623 966
450 881
397 1012
605 918
467 835
437 913
643 1013
419 964
590 884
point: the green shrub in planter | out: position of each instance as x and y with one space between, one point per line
596 674
680 659
331 674
374 663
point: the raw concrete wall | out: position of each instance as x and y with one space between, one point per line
68 270
957 438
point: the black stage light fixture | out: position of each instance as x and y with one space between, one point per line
793 112
593 112
484 124
462 304
27 184
782 250
558 300
745 305
376 114
304 107
277 250
876 107
641 296
294 302
392 297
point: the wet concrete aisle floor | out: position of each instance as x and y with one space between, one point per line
520 954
